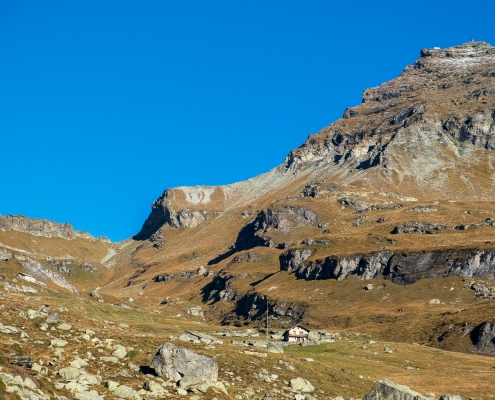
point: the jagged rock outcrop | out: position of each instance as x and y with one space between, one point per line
163 212
253 306
401 268
365 267
219 289
166 278
483 337
477 129
419 227
5 255
42 227
250 256
178 363
481 289
291 260
425 228
319 189
411 132
284 219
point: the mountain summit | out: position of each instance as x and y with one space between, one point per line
428 134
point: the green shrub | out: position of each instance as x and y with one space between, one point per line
132 353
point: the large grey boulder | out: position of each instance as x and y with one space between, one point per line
483 337
388 390
178 362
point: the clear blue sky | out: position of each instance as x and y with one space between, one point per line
104 104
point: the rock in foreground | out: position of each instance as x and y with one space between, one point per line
178 362
388 390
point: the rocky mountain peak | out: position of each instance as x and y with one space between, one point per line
463 56
410 131
43 227
424 134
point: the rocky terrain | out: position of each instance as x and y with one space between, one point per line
376 234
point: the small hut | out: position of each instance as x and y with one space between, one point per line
296 334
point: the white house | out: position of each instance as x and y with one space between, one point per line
296 334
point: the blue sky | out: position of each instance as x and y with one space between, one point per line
104 104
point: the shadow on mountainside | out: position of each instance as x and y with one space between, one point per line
222 257
246 240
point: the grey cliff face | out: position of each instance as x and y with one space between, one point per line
285 219
401 268
162 213
292 259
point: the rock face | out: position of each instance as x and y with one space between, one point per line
40 227
163 212
5 255
419 227
285 219
177 362
483 337
292 259
38 270
403 268
387 390
365 267
406 125
219 289
253 306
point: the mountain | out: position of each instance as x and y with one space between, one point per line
381 223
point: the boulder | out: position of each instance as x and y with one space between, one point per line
152 386
88 379
69 373
301 385
53 319
120 352
64 327
7 329
78 363
388 390
189 381
483 337
58 343
91 395
29 383
178 362
126 392
75 387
